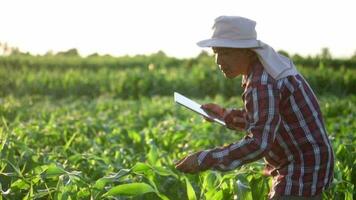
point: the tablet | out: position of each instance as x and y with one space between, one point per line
194 106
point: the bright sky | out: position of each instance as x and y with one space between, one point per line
121 27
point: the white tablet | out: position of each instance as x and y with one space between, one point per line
194 106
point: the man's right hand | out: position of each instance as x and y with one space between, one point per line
213 110
235 119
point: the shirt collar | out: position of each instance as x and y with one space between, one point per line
246 78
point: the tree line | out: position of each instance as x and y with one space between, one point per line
324 58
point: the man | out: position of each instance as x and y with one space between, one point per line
281 116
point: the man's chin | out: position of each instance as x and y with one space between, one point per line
230 76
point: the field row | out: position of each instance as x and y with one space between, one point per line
82 148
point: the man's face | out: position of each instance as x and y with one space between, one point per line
232 61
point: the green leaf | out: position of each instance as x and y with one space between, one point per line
20 184
158 193
69 142
29 195
164 172
42 193
130 189
75 158
153 156
190 190
243 188
209 194
218 195
54 170
209 181
259 186
3 136
140 168
83 193
4 192
101 183
16 168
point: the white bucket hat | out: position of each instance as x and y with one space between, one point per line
239 32
232 31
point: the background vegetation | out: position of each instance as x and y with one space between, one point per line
104 127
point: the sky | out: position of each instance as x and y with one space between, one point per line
130 27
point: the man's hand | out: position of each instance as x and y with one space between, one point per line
235 119
213 110
189 164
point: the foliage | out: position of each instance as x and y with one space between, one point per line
107 128
132 77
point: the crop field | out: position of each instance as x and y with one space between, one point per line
107 128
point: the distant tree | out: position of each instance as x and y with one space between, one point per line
160 53
325 54
203 54
6 49
283 53
15 51
49 53
107 56
93 55
70 52
354 56
2 50
297 57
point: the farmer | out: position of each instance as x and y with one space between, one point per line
281 116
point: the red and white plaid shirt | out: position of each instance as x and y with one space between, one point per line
286 128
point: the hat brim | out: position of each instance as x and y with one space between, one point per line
218 42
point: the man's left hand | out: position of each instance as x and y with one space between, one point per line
189 164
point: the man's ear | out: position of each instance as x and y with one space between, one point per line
214 49
251 54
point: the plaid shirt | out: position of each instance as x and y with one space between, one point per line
286 128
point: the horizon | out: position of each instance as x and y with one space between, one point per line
142 28
210 53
